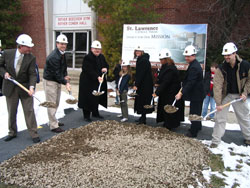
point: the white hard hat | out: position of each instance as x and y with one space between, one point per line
125 63
229 48
62 39
189 50
139 48
24 40
96 44
164 53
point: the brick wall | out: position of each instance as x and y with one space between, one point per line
33 25
173 11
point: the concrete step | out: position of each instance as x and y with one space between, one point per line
74 75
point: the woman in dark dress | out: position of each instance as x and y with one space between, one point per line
143 84
168 85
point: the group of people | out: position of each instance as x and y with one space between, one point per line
229 81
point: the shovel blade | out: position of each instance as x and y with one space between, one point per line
194 117
170 109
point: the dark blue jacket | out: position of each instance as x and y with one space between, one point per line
124 83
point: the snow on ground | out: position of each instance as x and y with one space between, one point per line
239 163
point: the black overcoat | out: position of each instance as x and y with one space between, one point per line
91 70
193 88
169 85
144 84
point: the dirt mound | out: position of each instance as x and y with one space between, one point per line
109 154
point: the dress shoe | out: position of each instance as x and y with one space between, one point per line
213 145
87 119
247 142
98 116
36 139
141 122
9 138
191 135
60 124
57 130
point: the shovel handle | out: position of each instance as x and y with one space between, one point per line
175 99
233 101
223 106
103 76
101 82
20 85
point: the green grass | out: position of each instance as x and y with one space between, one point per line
235 185
216 163
217 182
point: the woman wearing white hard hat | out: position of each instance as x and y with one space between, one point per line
168 85
193 89
93 66
143 84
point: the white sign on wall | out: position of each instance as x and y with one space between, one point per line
76 21
154 37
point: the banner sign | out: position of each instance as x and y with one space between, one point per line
76 21
154 37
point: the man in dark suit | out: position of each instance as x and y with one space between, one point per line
19 64
192 88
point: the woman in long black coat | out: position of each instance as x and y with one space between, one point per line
93 66
143 85
168 85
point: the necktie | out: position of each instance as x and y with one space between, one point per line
19 62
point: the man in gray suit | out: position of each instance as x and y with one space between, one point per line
19 64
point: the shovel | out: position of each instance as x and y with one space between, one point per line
133 94
171 108
46 104
194 117
98 92
151 104
71 99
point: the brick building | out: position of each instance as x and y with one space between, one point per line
46 19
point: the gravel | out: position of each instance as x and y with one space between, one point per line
110 154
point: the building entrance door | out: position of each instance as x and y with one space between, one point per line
78 46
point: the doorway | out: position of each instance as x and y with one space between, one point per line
78 46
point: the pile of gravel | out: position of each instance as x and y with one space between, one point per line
109 154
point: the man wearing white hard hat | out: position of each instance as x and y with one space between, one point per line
94 65
193 89
231 81
19 64
54 75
